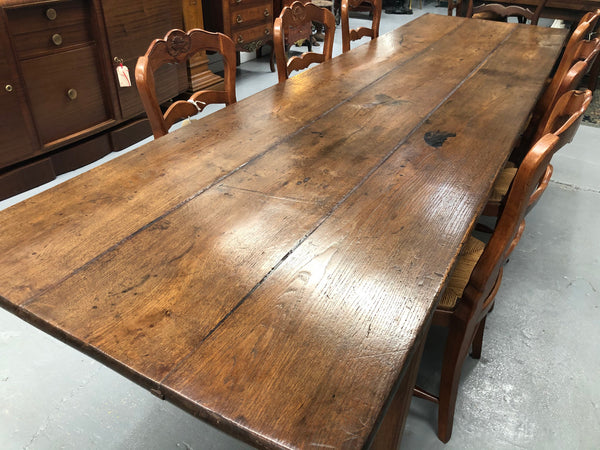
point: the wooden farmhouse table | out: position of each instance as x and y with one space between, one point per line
272 268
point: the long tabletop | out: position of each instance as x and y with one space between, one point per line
272 268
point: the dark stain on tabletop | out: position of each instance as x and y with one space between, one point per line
437 138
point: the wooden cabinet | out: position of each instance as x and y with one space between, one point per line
131 26
249 23
61 105
16 137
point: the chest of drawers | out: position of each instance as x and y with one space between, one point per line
249 23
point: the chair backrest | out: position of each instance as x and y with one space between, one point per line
590 17
563 122
485 275
580 60
499 11
175 48
355 34
566 116
295 23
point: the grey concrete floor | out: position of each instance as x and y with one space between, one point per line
536 386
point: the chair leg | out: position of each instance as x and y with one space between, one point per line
457 347
478 340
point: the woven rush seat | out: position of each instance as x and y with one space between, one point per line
503 182
469 255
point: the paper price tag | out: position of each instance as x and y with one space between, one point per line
123 76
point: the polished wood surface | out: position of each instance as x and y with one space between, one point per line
273 267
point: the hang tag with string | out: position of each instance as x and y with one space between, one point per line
123 74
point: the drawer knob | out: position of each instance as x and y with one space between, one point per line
239 19
57 39
72 94
51 14
267 13
238 1
267 31
240 39
8 88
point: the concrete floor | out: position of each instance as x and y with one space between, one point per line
536 386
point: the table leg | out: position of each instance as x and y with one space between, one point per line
390 432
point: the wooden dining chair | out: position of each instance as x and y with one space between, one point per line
348 35
595 69
581 61
472 287
574 52
176 48
295 23
498 12
563 121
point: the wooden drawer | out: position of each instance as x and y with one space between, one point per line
41 29
250 39
33 18
43 42
55 114
242 18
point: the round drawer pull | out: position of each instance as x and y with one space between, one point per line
240 39
72 94
267 13
238 1
239 19
57 39
51 14
8 88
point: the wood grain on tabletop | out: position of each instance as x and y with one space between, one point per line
284 300
309 183
62 230
321 331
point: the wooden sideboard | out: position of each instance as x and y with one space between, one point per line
61 105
